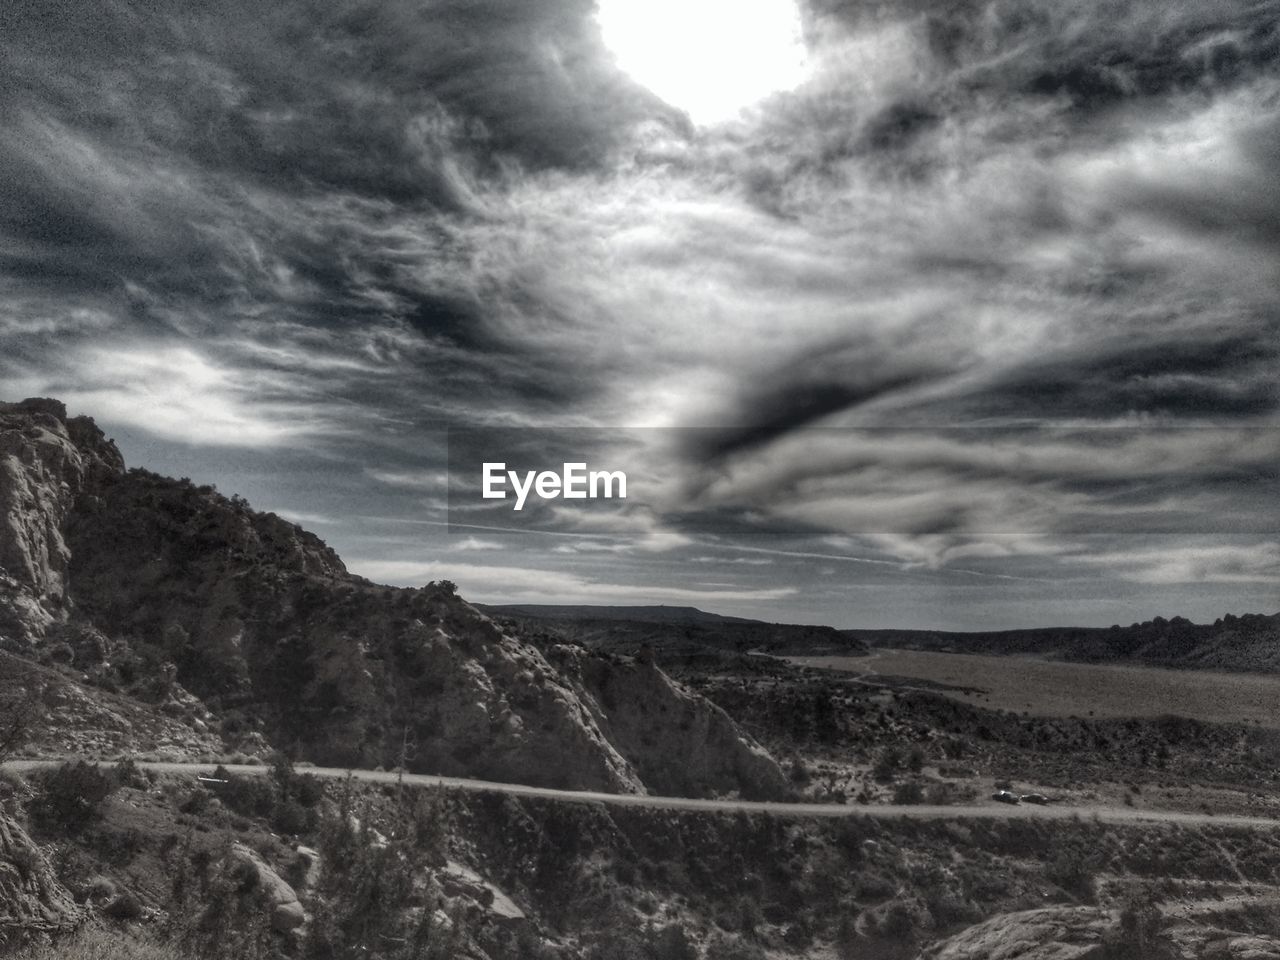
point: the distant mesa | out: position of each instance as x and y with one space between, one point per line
655 613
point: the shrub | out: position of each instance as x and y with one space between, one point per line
19 709
915 760
671 943
1138 933
71 796
128 774
125 906
848 942
887 764
908 792
1074 871
897 920
374 884
248 796
289 816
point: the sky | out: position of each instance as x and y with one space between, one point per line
898 314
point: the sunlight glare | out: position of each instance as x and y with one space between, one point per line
709 58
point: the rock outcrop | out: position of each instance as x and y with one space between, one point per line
46 460
31 899
1090 933
459 880
1059 933
277 897
680 743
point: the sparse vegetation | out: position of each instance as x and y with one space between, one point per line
100 943
19 704
69 797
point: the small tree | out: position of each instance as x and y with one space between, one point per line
887 764
1138 933
19 709
71 796
908 792
915 760
671 943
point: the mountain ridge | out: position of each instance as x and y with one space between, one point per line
1245 642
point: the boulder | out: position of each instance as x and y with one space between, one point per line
459 880
1056 933
277 896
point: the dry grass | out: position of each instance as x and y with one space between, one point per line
95 943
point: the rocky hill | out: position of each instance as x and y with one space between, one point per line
1249 643
168 593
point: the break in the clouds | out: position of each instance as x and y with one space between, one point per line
986 291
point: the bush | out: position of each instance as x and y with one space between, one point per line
848 942
128 774
1138 933
125 906
19 709
897 920
887 764
71 796
292 817
672 943
248 796
374 884
908 792
1074 871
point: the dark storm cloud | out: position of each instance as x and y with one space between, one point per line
835 378
1194 377
240 173
359 95
338 228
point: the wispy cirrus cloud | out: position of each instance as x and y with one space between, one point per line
492 584
342 229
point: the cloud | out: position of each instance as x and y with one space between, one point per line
749 561
307 519
1192 564
475 543
180 395
352 227
495 584
420 480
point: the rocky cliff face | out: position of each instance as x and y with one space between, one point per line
680 742
46 460
170 586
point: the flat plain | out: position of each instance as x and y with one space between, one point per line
1056 688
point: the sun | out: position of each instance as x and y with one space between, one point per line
709 58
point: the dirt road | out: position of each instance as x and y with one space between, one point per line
989 810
